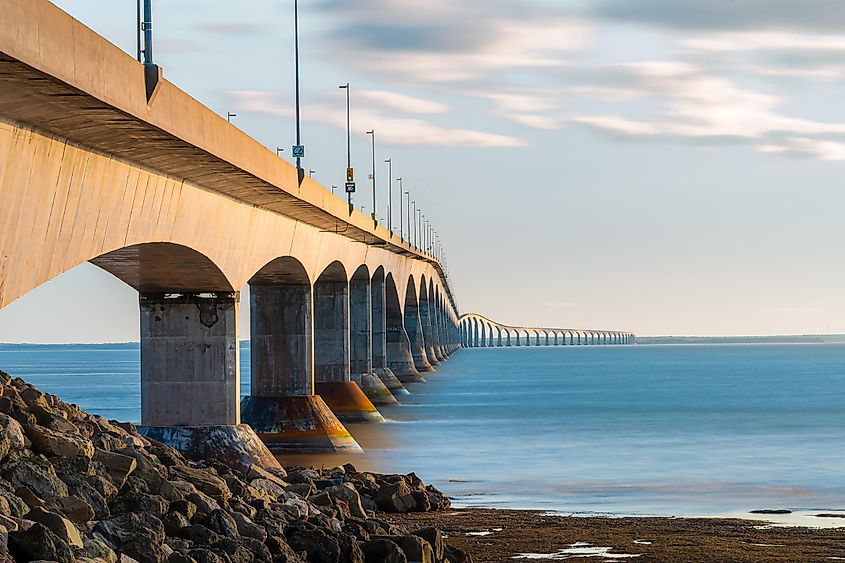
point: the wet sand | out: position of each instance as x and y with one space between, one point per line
516 532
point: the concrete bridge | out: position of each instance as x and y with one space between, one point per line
153 187
478 331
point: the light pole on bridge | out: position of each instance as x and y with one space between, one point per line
373 135
350 175
389 162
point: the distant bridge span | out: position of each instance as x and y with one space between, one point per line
478 331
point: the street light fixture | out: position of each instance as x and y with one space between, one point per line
230 115
311 173
389 162
299 150
373 135
350 174
279 151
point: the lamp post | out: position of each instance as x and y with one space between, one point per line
230 115
373 135
389 162
299 151
350 177
416 233
279 151
408 193
311 173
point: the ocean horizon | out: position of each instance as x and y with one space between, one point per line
681 430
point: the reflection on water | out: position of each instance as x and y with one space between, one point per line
671 430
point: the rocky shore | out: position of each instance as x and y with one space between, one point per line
76 487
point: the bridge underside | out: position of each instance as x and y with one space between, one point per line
477 331
187 210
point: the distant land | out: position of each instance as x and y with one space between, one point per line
781 339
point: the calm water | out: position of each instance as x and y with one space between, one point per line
684 430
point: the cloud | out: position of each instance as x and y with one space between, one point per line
396 130
694 105
438 41
808 15
402 102
804 147
234 27
559 304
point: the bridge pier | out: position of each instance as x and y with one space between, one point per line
331 351
427 331
361 341
190 379
378 297
400 359
414 329
282 406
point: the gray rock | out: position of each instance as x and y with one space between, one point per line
455 555
123 529
39 543
57 524
435 539
173 522
118 466
55 443
37 474
382 550
75 509
395 497
347 493
220 522
415 548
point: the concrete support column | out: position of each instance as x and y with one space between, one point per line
414 328
427 332
379 338
282 406
361 342
332 357
190 378
400 360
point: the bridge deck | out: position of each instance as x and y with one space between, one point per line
68 81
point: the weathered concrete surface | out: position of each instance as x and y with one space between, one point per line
236 446
301 424
348 402
189 359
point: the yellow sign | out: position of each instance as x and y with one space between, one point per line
350 175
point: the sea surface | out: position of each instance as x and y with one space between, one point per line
686 430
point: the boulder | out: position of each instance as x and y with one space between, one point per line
395 497
415 548
203 480
435 539
221 523
140 502
75 509
12 436
143 550
347 493
55 443
118 466
127 527
382 550
38 543
57 524
35 473
257 472
455 555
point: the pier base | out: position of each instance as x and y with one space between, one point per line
347 401
391 381
237 446
297 424
375 390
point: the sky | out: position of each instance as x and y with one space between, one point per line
659 166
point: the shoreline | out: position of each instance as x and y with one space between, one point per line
495 535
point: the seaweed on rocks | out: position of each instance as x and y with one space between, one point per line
75 487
